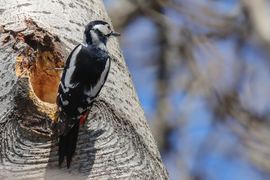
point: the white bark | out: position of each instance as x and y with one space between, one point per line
114 142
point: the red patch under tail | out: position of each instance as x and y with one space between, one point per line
82 118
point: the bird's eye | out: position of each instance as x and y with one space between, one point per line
109 28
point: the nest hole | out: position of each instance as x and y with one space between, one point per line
41 53
44 78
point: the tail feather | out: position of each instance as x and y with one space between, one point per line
67 144
61 151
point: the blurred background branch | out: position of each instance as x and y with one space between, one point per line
201 69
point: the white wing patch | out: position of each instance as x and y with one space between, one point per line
94 90
89 100
65 103
71 69
80 109
97 42
63 88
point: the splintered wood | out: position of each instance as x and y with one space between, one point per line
39 57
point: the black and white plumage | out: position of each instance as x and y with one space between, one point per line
84 75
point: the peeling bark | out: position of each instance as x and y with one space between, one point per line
114 142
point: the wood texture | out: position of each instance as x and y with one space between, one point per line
114 142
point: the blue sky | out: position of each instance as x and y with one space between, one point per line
224 161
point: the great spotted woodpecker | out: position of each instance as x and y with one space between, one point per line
83 76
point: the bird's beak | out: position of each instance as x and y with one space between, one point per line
115 34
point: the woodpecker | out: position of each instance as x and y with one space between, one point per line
83 76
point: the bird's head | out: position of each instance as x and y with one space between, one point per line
97 33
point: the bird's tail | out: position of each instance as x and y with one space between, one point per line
67 144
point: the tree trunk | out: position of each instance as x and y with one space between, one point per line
114 142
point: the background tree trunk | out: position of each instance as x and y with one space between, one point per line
114 142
